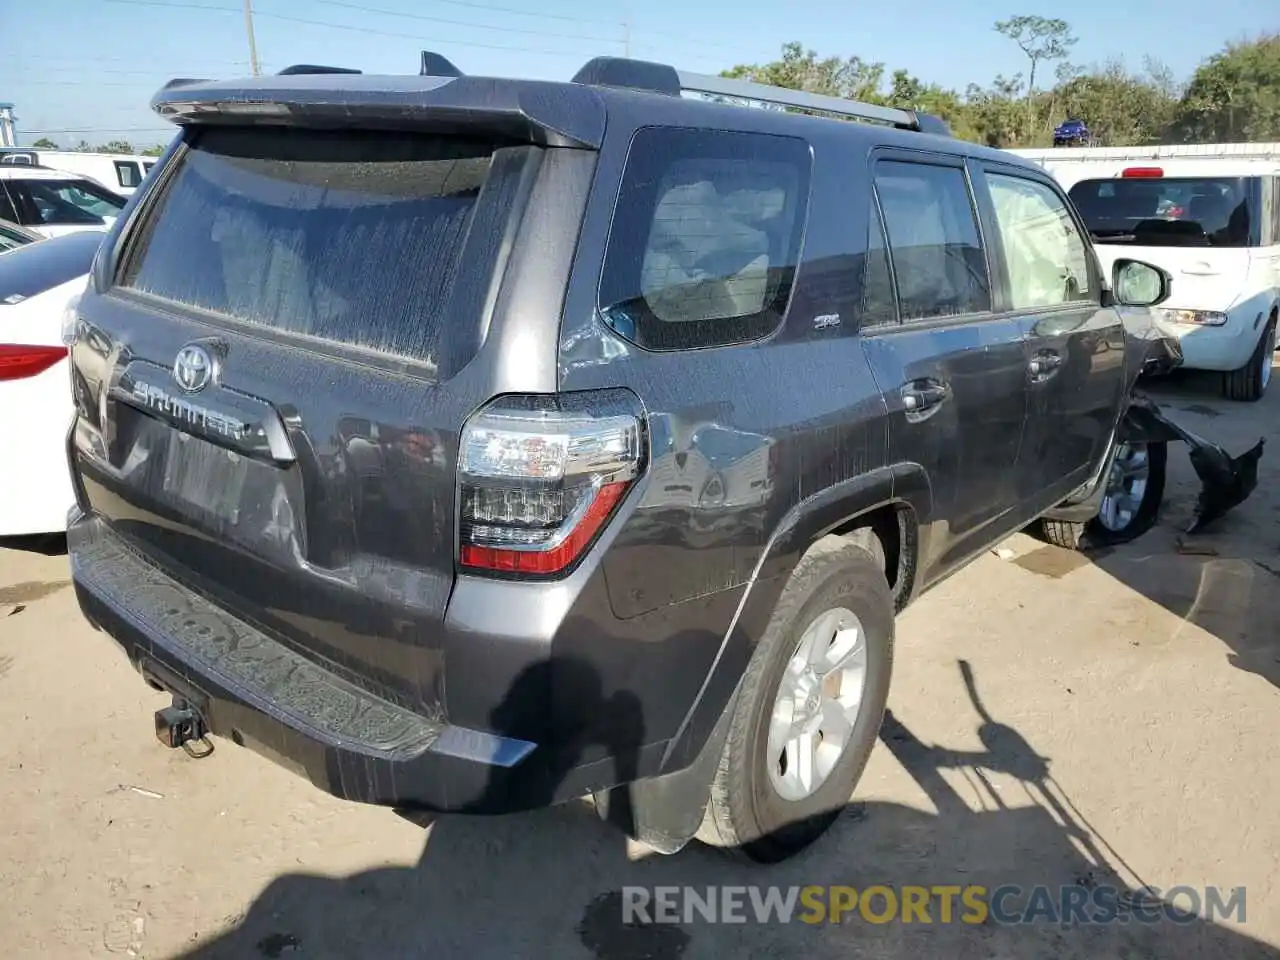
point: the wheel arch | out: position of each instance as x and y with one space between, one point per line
896 502
666 810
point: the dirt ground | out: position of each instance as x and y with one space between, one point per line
1120 725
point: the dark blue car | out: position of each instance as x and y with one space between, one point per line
1071 133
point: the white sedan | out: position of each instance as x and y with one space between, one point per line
39 282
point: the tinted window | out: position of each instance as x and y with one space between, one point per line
706 237
937 257
65 202
41 266
1171 211
349 237
1047 257
128 174
878 305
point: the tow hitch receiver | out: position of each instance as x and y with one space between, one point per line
179 725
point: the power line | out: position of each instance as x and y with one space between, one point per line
186 5
107 71
342 26
87 83
463 23
52 130
623 25
187 64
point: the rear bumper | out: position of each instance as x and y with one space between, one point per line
256 691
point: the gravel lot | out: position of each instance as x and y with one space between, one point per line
1120 727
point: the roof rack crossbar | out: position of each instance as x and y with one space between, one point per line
780 96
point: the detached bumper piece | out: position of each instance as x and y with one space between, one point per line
1225 481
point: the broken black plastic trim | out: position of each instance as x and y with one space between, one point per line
1226 481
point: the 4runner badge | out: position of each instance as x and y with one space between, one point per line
193 369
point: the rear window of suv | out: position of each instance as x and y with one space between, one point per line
348 237
706 237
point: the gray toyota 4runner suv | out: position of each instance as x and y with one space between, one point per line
472 444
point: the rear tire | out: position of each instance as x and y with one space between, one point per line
762 805
1112 527
1250 382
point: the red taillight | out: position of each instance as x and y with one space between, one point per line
538 482
18 361
1142 172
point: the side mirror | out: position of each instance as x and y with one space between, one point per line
1139 284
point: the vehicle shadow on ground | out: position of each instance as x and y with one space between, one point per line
1224 579
550 883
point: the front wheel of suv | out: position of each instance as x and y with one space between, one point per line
1130 505
809 708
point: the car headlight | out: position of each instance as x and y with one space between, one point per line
1207 318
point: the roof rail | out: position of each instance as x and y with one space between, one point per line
303 68
661 78
434 65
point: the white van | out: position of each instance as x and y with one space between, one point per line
118 172
1210 215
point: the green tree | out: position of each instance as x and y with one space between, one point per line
1234 96
153 151
44 143
1120 108
83 147
801 69
1043 40
115 146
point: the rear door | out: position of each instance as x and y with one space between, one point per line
1075 346
952 371
272 388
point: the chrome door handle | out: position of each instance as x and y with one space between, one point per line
921 396
1043 364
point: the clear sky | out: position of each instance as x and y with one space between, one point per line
87 68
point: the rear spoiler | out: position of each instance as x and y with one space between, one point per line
440 99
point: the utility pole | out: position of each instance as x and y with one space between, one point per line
626 33
248 29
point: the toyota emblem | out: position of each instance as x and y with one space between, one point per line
193 369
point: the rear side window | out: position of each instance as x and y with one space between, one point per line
706 237
350 237
937 256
